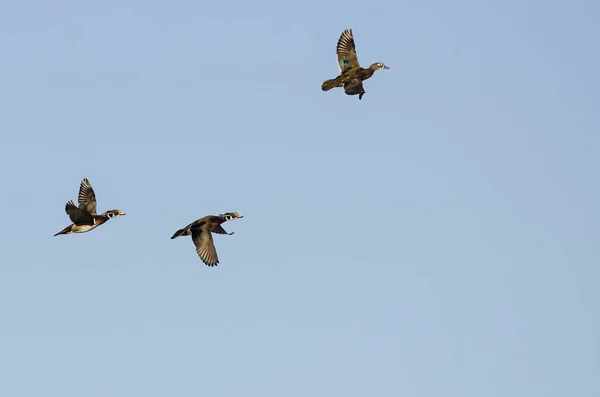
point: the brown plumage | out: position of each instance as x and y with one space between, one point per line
201 231
87 197
351 73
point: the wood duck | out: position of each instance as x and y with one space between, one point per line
84 217
351 73
200 231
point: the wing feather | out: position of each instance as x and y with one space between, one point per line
87 197
346 52
202 238
77 215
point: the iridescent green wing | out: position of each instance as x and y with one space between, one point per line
346 52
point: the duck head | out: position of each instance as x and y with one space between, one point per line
378 66
230 215
113 213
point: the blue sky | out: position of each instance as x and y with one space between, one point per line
439 237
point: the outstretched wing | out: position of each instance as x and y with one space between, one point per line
346 52
205 247
219 229
87 197
77 215
354 87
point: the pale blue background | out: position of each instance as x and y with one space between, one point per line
438 238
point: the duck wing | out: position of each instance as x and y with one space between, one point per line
77 215
87 197
346 52
202 238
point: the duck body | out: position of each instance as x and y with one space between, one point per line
83 224
84 217
351 73
201 231
351 80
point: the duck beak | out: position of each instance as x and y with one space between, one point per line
386 67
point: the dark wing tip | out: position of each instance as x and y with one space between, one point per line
85 184
208 259
345 44
347 35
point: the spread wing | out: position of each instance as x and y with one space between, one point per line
205 247
354 87
346 52
219 229
77 215
87 197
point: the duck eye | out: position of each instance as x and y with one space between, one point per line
380 64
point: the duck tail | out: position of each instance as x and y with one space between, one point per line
179 233
329 84
66 230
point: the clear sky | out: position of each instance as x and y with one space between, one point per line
438 238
